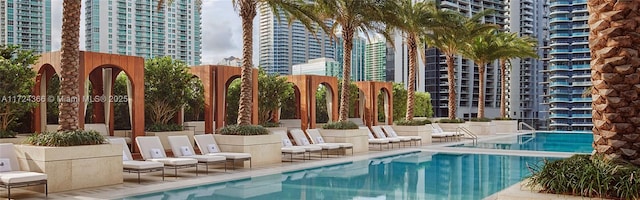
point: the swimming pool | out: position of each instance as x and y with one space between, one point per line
419 175
540 141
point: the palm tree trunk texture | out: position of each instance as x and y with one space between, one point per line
613 41
503 90
411 87
347 34
70 60
247 13
481 72
452 86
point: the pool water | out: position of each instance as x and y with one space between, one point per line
545 141
419 175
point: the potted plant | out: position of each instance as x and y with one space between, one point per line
16 82
346 132
167 89
451 125
482 126
414 128
505 125
253 139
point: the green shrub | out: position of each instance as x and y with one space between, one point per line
244 130
7 134
414 122
270 124
340 125
164 127
484 119
70 138
587 176
502 118
451 121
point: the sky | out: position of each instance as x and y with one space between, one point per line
221 31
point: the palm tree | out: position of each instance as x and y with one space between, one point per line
413 20
613 40
449 36
517 47
351 16
247 10
70 60
484 49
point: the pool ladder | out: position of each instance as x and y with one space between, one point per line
468 132
522 124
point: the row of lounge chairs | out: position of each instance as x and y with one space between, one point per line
155 158
385 135
307 143
437 132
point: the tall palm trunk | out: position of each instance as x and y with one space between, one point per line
69 87
411 87
347 33
503 90
452 85
247 13
613 43
481 71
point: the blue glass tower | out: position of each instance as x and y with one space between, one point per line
26 23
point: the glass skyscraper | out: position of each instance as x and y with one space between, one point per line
139 28
283 45
357 56
26 23
569 71
375 59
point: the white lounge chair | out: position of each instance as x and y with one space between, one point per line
301 139
12 177
377 131
392 133
288 148
181 148
151 149
439 133
130 165
373 140
208 146
308 148
316 138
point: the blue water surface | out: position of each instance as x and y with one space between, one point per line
419 175
541 141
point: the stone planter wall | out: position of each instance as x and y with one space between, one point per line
76 167
506 126
196 126
164 137
264 149
482 128
273 129
359 138
19 139
452 127
422 131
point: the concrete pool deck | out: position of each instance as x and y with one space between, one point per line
152 182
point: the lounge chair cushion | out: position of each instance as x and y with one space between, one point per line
5 165
21 177
320 140
136 164
312 147
292 150
124 156
232 156
175 161
213 148
207 158
186 151
378 141
286 143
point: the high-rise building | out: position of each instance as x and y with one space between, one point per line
529 19
26 23
139 28
231 61
376 59
357 56
466 73
318 66
283 45
569 71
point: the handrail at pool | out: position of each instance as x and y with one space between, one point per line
469 133
521 124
